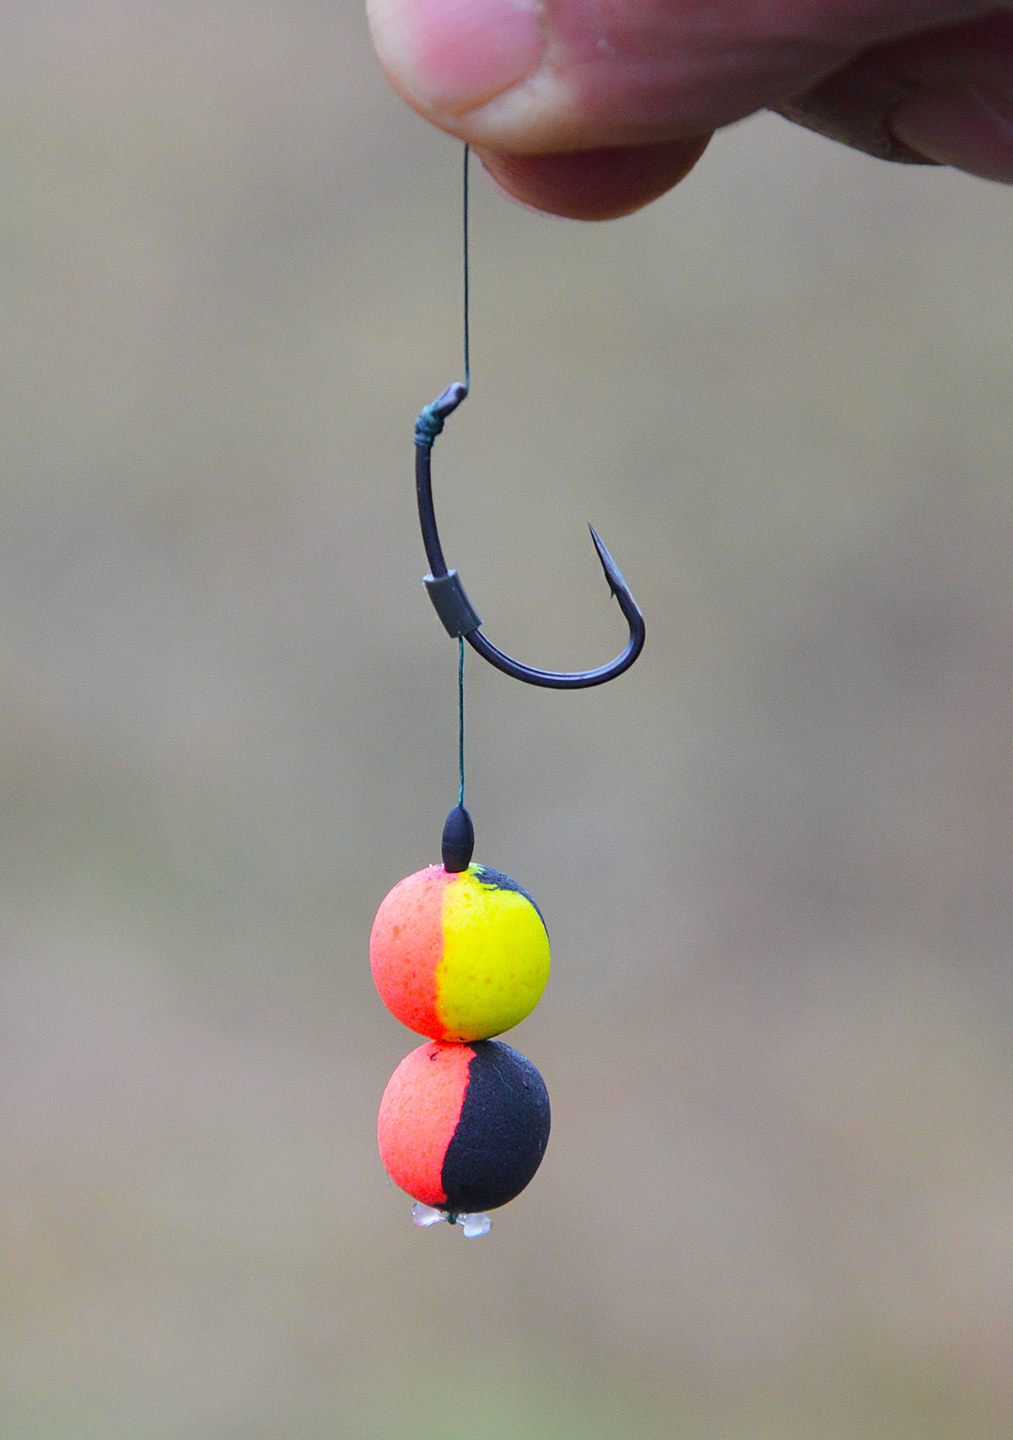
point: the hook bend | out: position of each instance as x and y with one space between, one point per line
452 604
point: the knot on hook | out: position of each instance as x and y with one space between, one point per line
428 426
433 417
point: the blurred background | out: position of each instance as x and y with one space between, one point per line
776 859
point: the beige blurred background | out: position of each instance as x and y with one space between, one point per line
776 859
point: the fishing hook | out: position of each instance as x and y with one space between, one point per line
447 593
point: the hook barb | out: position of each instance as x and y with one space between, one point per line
452 604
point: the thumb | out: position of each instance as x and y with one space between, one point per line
494 73
537 76
592 107
531 77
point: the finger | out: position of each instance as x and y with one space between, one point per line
945 98
535 76
594 184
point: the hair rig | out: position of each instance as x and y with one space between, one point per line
459 952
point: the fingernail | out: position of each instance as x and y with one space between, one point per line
962 128
453 55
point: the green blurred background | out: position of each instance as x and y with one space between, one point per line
776 859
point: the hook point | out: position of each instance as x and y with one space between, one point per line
612 572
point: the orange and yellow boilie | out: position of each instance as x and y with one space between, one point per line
459 956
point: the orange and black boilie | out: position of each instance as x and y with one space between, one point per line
459 952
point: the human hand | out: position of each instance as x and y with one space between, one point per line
593 108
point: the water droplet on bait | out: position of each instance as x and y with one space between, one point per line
424 1215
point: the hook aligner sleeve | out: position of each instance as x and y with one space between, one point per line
451 603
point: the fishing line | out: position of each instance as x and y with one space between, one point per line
465 206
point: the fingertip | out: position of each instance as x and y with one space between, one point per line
450 56
594 184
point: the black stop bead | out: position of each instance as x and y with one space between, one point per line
458 840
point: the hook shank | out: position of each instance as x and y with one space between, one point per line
452 604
